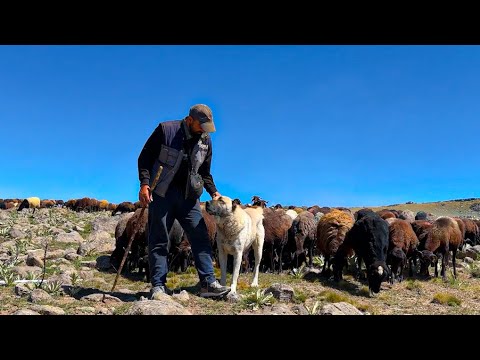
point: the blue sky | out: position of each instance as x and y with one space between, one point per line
296 125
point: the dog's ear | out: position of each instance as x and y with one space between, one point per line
234 206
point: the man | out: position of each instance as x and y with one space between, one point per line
182 149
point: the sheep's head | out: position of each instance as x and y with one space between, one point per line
376 273
221 207
257 201
426 258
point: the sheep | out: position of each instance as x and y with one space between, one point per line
331 231
3 206
403 238
137 228
276 224
180 250
368 238
444 235
47 204
314 209
421 229
302 234
123 207
471 232
70 204
103 205
30 203
385 214
86 204
406 215
292 213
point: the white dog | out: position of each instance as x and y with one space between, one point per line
237 230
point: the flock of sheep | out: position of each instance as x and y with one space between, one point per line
386 241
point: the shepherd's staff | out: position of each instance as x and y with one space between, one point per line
135 230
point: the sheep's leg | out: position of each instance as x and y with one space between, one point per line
280 260
444 265
324 269
454 254
310 253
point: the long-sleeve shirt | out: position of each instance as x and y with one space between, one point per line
150 152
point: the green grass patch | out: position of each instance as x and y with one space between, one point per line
446 299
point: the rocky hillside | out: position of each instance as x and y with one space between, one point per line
70 251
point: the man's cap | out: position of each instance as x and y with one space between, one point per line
204 114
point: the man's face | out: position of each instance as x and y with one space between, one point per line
195 127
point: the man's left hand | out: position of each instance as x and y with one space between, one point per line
216 195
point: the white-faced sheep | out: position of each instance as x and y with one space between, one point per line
331 231
30 203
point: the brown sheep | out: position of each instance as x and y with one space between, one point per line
331 231
443 236
401 237
471 232
138 256
276 224
385 214
47 204
70 204
302 234
421 229
461 225
123 207
314 209
180 252
86 204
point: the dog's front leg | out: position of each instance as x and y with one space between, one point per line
237 261
222 259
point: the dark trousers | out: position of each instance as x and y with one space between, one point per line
161 214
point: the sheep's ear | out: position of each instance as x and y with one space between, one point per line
234 206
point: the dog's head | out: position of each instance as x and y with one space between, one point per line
224 206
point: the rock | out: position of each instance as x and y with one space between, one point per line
164 306
48 310
22 290
34 261
340 308
281 292
39 295
25 312
183 297
71 237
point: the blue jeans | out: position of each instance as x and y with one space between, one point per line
161 214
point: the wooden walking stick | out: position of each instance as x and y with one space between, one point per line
136 228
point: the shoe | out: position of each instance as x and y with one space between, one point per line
213 289
157 290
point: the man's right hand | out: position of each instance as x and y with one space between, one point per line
144 195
